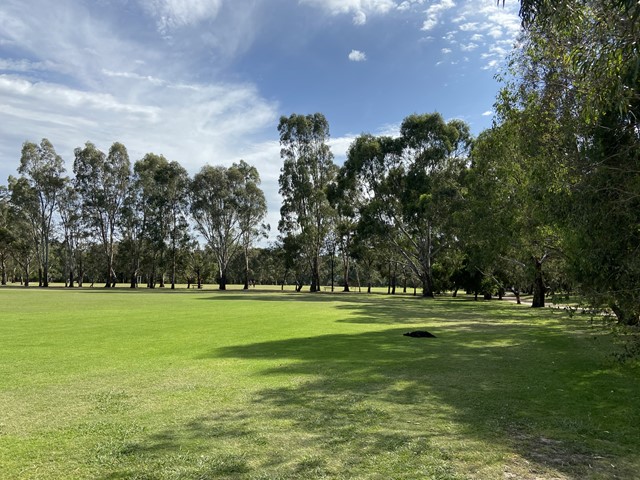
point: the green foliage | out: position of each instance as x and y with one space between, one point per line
306 174
576 87
227 206
102 182
35 196
409 188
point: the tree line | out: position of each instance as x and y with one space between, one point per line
147 216
544 201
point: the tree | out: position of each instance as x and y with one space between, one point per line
102 182
509 227
307 171
252 208
227 206
35 194
6 235
412 185
577 77
70 211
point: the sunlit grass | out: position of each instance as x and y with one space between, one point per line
264 385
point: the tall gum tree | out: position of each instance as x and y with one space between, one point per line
36 192
412 188
306 174
102 182
226 206
252 208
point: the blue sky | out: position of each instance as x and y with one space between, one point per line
205 81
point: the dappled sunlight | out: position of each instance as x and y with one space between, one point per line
433 389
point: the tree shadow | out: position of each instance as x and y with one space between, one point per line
485 381
377 401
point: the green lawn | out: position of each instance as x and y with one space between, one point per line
268 385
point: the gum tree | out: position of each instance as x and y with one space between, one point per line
36 193
102 182
306 174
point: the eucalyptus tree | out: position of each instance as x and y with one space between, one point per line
102 182
70 211
17 236
226 206
35 194
307 171
412 188
174 183
6 235
344 197
510 232
147 211
577 76
252 208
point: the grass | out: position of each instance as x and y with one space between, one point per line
269 385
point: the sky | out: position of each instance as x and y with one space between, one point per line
206 81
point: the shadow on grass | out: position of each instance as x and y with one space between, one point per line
392 310
379 402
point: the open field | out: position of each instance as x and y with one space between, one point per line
268 385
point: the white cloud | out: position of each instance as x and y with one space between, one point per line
488 113
360 9
446 51
480 26
491 65
191 123
10 65
170 14
357 56
359 18
85 81
434 12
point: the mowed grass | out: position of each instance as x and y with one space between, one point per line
277 385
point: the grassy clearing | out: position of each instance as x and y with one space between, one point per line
253 385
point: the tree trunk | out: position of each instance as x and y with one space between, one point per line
427 287
246 269
71 278
538 286
624 316
108 278
346 276
332 272
223 280
26 274
315 276
3 274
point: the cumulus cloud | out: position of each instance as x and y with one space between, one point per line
357 56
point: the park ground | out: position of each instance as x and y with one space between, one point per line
265 384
